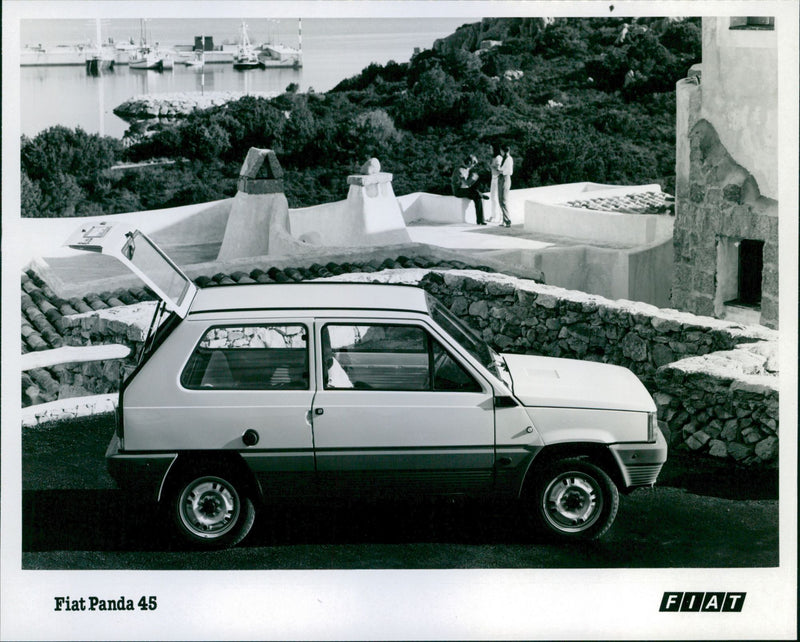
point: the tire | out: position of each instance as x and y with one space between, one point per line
574 500
210 510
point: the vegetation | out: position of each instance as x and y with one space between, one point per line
578 99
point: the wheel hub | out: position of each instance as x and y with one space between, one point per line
209 507
572 502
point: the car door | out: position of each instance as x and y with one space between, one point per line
246 387
397 411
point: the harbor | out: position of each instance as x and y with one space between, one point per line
147 54
56 89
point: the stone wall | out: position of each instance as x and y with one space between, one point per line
68 380
715 383
122 325
723 203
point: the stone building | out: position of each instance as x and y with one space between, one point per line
726 224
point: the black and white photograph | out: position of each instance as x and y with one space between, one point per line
521 278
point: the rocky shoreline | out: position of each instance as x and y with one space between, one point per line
179 105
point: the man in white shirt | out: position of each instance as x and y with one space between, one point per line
506 169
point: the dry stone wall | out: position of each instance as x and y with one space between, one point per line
123 325
715 383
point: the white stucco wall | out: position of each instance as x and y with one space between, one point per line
546 213
740 96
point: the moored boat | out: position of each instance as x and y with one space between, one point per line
246 56
145 58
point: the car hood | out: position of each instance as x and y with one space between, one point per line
570 383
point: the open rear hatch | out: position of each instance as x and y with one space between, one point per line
143 257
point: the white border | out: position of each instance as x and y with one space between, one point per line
452 604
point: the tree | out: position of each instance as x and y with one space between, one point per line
372 132
204 140
430 102
31 200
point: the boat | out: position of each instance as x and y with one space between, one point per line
198 60
246 56
58 55
146 57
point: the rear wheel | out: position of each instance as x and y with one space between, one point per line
574 499
210 510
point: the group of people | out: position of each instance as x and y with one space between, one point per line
465 185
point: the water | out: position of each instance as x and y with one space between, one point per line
333 49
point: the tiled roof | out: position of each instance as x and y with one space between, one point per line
639 203
43 311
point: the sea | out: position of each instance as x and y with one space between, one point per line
333 49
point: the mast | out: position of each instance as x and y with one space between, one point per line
300 35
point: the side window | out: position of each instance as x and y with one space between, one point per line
388 357
448 374
253 357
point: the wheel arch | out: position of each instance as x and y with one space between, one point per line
597 453
227 461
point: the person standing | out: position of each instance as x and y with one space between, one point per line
494 197
504 182
464 183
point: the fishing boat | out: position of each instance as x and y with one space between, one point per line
146 57
246 56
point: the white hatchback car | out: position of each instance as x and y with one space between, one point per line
247 393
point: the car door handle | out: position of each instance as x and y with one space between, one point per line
319 411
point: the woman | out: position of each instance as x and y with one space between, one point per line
494 191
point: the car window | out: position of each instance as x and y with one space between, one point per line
253 357
388 357
464 335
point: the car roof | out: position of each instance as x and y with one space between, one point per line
331 295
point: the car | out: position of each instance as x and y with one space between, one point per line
247 394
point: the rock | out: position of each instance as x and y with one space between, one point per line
634 347
751 435
739 451
697 440
479 309
459 306
717 448
767 449
662 355
548 301
730 430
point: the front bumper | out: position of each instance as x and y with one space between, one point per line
141 472
641 463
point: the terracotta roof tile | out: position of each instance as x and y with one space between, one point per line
637 203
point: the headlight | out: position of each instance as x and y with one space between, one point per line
652 426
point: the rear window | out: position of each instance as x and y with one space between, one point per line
252 357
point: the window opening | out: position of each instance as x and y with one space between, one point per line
759 23
389 357
258 357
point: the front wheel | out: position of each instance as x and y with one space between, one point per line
574 499
209 511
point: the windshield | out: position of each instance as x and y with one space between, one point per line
467 338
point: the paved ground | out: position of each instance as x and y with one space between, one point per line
698 516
